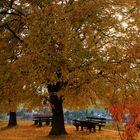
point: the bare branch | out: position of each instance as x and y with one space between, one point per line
13 32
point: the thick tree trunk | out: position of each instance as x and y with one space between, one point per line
12 119
58 127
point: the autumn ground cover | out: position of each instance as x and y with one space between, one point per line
26 131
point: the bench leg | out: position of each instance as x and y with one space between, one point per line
47 122
40 123
89 129
36 122
77 128
94 128
99 127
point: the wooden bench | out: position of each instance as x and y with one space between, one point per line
39 119
101 121
85 123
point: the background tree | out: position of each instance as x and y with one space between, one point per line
11 26
12 31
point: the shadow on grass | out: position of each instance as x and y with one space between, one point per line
3 128
63 137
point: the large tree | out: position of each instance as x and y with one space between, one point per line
12 32
80 50
12 92
9 51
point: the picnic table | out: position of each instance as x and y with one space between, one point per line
89 123
101 121
38 119
85 124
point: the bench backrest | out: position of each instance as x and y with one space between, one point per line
37 117
100 120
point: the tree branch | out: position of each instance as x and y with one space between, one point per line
11 3
12 13
13 32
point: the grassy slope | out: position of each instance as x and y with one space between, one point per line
26 131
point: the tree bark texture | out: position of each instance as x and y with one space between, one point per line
58 127
12 119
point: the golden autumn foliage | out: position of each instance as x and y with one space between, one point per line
91 49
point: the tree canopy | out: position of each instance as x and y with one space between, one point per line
88 46
88 49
